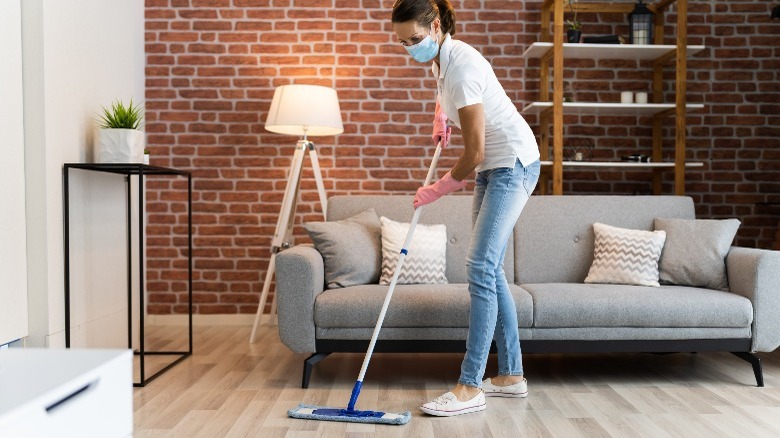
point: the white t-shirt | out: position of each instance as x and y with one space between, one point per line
467 78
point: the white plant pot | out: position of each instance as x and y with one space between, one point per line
121 146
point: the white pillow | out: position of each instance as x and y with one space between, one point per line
623 256
426 258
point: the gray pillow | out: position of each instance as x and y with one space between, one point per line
351 249
695 251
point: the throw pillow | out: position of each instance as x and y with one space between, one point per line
426 259
350 249
695 251
624 256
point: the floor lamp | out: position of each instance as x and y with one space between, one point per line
300 110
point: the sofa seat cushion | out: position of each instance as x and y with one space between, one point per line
610 305
438 305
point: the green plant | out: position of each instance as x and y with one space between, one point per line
573 23
120 116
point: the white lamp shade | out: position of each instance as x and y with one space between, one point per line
304 110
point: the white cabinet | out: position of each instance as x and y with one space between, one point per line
13 257
66 393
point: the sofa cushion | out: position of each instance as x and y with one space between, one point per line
426 261
440 305
554 236
625 256
350 248
607 305
695 251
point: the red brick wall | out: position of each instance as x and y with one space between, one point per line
212 66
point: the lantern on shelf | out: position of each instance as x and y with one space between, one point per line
640 22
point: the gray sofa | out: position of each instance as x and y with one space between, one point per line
546 262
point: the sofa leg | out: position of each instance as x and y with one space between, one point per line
755 361
308 366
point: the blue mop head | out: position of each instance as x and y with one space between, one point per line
309 412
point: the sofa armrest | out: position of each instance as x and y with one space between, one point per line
755 274
300 277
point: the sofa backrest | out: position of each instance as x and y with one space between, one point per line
554 237
452 211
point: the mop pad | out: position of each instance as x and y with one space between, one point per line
350 414
310 412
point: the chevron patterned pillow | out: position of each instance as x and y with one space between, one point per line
426 260
623 256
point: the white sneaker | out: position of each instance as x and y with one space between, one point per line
448 405
518 390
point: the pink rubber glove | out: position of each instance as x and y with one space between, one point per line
446 185
441 132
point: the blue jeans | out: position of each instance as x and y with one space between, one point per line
499 197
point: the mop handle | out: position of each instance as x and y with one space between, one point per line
388 297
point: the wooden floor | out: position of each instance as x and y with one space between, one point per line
232 388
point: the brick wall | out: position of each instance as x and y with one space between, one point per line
212 66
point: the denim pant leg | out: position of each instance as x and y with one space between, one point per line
506 334
499 197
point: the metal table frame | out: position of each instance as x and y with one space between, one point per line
140 170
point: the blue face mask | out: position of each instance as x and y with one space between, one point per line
425 50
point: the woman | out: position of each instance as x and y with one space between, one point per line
501 147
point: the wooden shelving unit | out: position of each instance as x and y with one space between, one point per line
551 109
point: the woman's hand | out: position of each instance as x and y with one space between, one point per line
446 185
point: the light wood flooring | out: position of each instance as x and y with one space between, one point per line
232 388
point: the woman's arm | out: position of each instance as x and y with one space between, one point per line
472 125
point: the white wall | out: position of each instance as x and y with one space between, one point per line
78 55
13 255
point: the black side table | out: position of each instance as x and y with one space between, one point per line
141 170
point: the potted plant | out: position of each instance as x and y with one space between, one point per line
574 32
120 139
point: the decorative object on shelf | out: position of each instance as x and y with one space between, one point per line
574 33
568 94
640 97
604 39
640 22
146 156
299 110
578 150
626 97
120 139
637 158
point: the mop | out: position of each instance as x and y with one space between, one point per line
350 414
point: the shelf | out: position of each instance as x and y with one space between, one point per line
632 109
656 112
623 164
598 52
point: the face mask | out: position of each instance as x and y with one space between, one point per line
425 50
